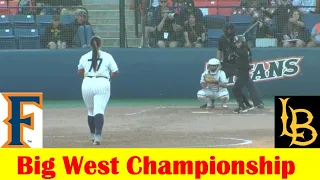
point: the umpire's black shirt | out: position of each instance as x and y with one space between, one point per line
225 46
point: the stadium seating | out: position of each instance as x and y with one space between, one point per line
215 21
27 38
4 22
310 20
242 22
7 39
23 21
213 37
25 31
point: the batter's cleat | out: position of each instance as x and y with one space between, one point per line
224 106
209 107
240 110
260 106
92 137
250 107
96 142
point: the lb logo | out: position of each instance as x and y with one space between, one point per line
294 125
21 120
297 122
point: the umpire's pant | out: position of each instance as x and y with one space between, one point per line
230 71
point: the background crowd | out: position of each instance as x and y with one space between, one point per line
169 24
29 18
280 24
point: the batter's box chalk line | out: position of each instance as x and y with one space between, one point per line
270 109
228 114
143 111
241 142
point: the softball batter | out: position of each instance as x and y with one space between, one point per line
98 68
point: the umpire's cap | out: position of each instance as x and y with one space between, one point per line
239 38
229 26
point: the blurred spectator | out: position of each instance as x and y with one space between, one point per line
55 35
178 5
25 7
249 7
69 7
63 7
315 36
294 33
163 20
82 30
148 26
46 7
188 9
194 33
281 14
305 3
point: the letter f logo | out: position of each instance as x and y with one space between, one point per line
20 116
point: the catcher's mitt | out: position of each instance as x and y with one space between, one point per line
209 79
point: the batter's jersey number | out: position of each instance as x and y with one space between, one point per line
99 60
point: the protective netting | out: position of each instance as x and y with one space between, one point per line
43 24
200 23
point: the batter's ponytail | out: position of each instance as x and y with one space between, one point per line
95 44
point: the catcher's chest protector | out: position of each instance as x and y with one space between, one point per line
217 77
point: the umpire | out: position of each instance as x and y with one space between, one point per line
226 47
241 54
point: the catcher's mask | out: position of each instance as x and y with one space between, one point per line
213 65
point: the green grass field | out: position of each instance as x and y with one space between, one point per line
135 102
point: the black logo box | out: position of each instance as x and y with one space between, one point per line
308 103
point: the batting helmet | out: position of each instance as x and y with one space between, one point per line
239 38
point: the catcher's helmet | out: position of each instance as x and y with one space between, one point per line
213 61
239 38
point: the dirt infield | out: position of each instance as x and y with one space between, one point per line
172 126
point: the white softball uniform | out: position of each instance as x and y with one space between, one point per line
213 91
96 85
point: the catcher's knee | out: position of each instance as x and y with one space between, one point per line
202 95
224 99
